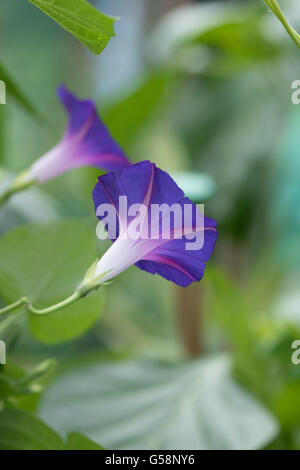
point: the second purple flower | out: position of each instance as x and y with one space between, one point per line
86 142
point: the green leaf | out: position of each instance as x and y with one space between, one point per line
45 263
93 28
13 90
138 106
76 441
20 430
15 381
152 405
69 323
211 36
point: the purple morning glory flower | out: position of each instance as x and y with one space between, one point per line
142 237
86 142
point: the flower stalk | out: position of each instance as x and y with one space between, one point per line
275 8
9 308
19 184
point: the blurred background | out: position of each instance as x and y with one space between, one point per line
195 87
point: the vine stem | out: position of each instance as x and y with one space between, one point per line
273 5
54 308
5 196
89 284
14 306
24 301
20 184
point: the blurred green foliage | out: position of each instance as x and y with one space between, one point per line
213 96
20 430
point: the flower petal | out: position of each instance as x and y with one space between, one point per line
96 145
174 262
144 183
86 142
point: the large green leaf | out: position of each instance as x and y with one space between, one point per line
93 28
150 405
20 430
45 263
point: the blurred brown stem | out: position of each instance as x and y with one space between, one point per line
190 319
160 8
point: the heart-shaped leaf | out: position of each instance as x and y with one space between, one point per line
46 263
150 405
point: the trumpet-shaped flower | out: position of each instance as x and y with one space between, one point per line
86 142
155 233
